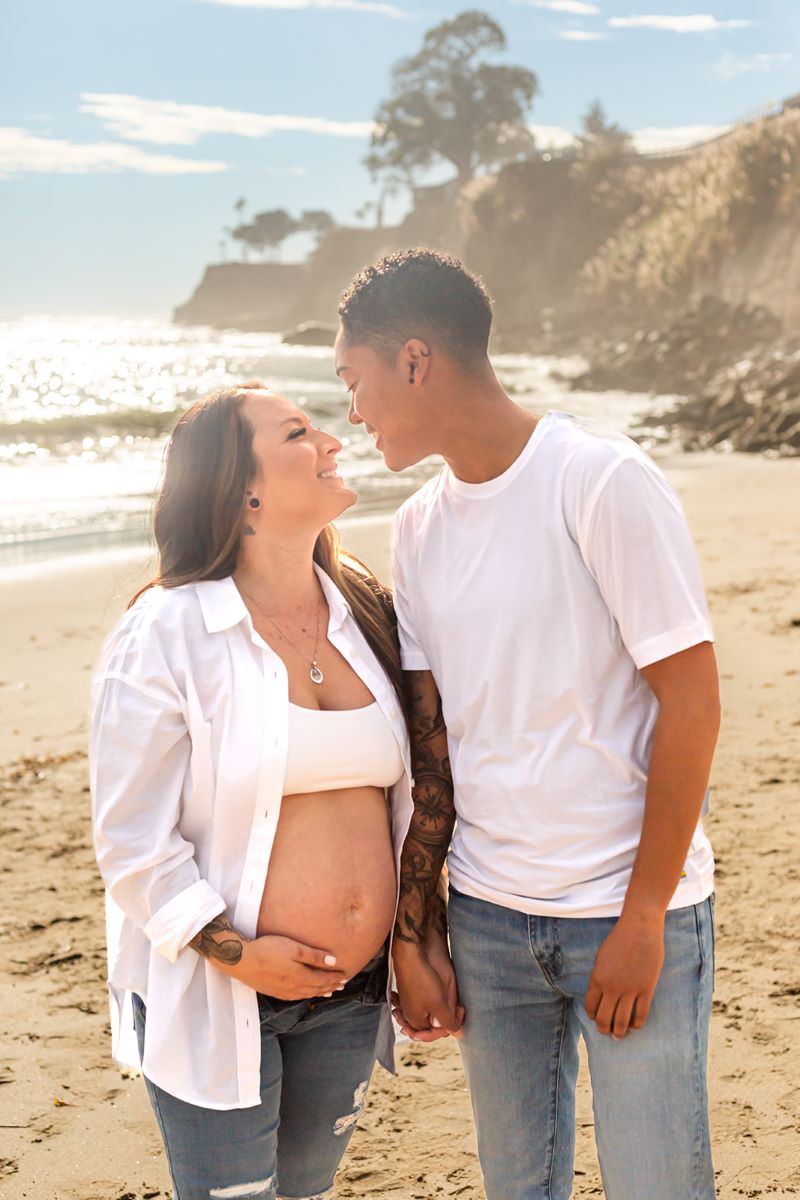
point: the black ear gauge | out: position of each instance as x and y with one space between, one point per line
254 502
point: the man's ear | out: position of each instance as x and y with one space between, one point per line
414 361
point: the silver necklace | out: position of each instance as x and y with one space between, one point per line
315 674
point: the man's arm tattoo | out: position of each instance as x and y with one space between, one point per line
428 838
228 951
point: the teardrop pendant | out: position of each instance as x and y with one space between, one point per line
316 674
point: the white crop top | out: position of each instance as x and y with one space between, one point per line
340 748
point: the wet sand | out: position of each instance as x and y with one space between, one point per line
75 1127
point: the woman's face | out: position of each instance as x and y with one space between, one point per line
296 480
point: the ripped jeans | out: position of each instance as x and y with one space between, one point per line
316 1062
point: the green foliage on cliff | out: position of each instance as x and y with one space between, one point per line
531 229
686 219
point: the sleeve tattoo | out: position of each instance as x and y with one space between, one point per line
228 950
428 838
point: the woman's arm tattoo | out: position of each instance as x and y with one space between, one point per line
228 951
428 838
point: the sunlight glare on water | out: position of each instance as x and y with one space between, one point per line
85 405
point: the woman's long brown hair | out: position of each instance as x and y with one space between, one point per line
198 517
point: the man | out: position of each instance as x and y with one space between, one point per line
559 660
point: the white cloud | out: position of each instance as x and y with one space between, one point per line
699 23
578 7
582 35
168 123
21 151
384 10
651 140
731 66
551 137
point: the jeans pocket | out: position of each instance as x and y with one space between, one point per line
270 1007
704 925
377 983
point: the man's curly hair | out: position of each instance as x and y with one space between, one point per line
418 293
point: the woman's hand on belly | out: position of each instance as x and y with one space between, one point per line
287 969
331 879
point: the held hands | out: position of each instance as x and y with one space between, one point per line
426 1005
288 970
626 971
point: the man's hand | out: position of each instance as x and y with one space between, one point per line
626 971
629 961
426 1003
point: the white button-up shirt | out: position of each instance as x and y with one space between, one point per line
188 745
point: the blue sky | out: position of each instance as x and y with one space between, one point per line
128 128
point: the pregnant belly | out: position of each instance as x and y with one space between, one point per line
331 881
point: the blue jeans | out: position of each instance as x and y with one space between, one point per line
316 1062
523 980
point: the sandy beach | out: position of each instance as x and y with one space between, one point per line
74 1127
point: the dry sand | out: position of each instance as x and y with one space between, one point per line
74 1127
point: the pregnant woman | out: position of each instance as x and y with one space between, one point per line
251 793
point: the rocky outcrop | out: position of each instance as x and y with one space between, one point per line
752 405
310 333
681 357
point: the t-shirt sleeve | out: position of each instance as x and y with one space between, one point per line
412 655
637 545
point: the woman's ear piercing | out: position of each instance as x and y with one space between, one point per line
255 502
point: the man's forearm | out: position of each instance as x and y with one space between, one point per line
683 747
428 838
437 912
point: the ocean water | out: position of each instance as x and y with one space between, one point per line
86 403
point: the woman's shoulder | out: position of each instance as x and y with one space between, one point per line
160 607
152 631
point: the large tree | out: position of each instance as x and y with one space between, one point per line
448 103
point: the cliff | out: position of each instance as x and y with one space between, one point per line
238 294
725 221
274 296
567 248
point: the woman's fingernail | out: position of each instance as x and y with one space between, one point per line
436 1023
327 993
330 961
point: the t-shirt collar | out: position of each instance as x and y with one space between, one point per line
491 487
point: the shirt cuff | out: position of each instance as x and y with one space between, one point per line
665 644
177 921
413 660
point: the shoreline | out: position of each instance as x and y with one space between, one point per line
61 609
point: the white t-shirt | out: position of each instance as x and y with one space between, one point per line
534 598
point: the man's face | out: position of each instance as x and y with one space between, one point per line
382 399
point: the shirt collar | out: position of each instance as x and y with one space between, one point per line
222 605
